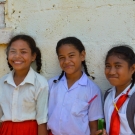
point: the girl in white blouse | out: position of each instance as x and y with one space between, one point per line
23 92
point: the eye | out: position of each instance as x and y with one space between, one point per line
107 66
11 51
71 55
23 52
118 66
61 58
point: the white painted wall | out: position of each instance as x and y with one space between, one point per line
99 24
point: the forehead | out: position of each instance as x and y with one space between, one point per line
116 59
19 44
67 48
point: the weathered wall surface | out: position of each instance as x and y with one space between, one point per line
99 24
5 35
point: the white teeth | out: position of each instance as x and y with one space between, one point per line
17 62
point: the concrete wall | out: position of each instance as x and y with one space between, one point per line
5 35
99 24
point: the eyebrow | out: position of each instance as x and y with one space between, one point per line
20 49
68 53
114 63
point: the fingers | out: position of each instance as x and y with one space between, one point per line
101 131
104 132
98 132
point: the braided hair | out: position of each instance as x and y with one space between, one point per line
32 44
78 45
126 53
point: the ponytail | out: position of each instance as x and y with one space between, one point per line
62 73
86 70
10 67
38 60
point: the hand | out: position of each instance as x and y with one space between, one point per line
101 131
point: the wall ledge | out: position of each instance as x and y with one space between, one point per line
2 1
5 35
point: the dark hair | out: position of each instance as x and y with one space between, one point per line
31 43
78 45
126 53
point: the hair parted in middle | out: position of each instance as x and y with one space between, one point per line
79 46
32 44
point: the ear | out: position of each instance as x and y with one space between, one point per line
34 56
133 68
83 54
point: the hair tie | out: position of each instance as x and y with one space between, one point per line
55 81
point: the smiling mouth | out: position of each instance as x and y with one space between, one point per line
112 77
18 62
68 66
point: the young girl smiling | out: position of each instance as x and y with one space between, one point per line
74 101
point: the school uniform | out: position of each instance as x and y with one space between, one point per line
109 107
70 110
23 107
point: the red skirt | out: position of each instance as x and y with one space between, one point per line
29 127
49 132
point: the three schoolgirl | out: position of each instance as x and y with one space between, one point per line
23 92
74 100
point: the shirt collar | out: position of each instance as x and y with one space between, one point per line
82 81
124 91
30 78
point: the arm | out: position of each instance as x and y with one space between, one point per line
1 114
41 108
100 131
93 127
42 129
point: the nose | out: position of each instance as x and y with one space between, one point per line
17 54
66 60
112 71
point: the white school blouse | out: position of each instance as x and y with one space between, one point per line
70 110
27 101
109 107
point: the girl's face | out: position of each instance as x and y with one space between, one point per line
118 72
20 56
70 59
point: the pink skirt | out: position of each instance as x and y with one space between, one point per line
29 127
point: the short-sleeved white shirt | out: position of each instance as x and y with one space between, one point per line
69 110
27 101
109 107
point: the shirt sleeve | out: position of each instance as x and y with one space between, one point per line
96 106
1 113
42 106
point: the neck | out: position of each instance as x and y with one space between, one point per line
74 76
21 73
71 79
120 89
19 76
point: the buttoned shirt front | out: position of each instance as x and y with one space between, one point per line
27 101
109 107
70 110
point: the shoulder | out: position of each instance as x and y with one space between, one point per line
93 85
40 79
3 78
50 81
89 85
